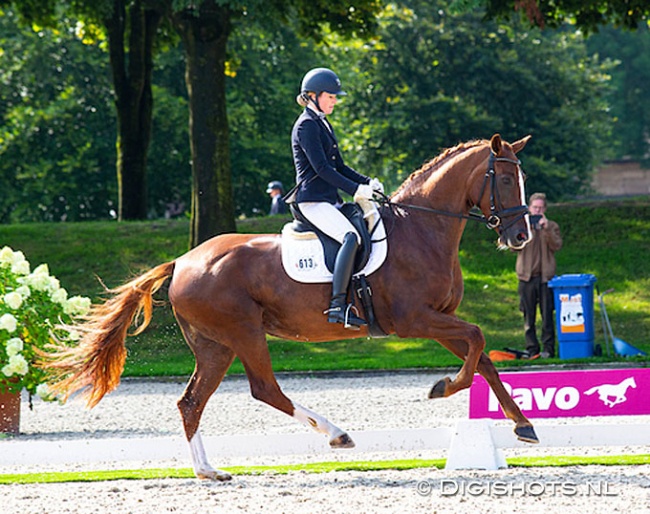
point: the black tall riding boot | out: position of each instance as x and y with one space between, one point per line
339 311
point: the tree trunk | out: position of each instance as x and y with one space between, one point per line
133 100
205 36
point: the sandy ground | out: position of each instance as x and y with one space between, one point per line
366 402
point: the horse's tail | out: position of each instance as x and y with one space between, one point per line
592 390
97 362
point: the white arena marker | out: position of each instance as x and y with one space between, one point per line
472 447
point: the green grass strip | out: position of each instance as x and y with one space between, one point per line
154 473
319 467
579 460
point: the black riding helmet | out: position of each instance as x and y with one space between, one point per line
321 80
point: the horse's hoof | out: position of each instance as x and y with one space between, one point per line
342 441
526 434
214 474
439 388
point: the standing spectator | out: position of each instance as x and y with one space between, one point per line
275 189
535 267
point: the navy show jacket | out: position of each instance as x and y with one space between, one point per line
320 170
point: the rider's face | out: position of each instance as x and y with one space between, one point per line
327 101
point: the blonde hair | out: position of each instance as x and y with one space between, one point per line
303 99
537 196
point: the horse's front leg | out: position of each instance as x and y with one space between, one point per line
523 427
461 338
466 341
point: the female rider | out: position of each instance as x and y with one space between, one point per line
320 173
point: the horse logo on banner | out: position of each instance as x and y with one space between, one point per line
617 392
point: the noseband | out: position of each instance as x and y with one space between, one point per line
496 217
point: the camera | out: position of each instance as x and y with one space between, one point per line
534 220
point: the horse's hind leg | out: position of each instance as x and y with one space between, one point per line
264 387
212 361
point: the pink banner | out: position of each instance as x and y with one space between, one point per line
559 394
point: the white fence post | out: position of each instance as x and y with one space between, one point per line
472 447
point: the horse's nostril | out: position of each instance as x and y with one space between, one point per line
521 237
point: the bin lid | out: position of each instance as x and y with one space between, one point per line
572 280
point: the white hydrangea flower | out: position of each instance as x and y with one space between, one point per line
59 296
8 323
73 335
9 258
54 284
6 256
24 291
43 391
77 306
14 346
20 268
13 300
37 281
43 269
17 366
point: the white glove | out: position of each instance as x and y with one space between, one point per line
364 191
376 185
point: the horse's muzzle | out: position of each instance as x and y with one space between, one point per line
514 239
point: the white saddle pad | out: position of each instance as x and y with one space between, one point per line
304 260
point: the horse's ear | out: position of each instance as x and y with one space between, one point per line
517 146
496 144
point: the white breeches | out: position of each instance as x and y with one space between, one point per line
329 219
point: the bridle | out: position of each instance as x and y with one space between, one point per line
497 215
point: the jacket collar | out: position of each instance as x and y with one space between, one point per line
323 122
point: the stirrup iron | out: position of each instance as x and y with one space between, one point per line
347 324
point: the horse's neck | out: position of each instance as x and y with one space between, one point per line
439 229
446 187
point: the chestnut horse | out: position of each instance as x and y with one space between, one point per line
231 291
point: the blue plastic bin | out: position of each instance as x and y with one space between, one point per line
574 314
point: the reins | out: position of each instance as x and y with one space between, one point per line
494 220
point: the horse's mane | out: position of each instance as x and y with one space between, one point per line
430 166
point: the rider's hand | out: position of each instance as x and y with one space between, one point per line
364 191
376 185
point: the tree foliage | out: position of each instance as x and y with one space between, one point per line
629 99
266 69
205 28
588 16
129 28
423 82
431 80
57 126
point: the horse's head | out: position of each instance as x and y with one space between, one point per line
502 196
